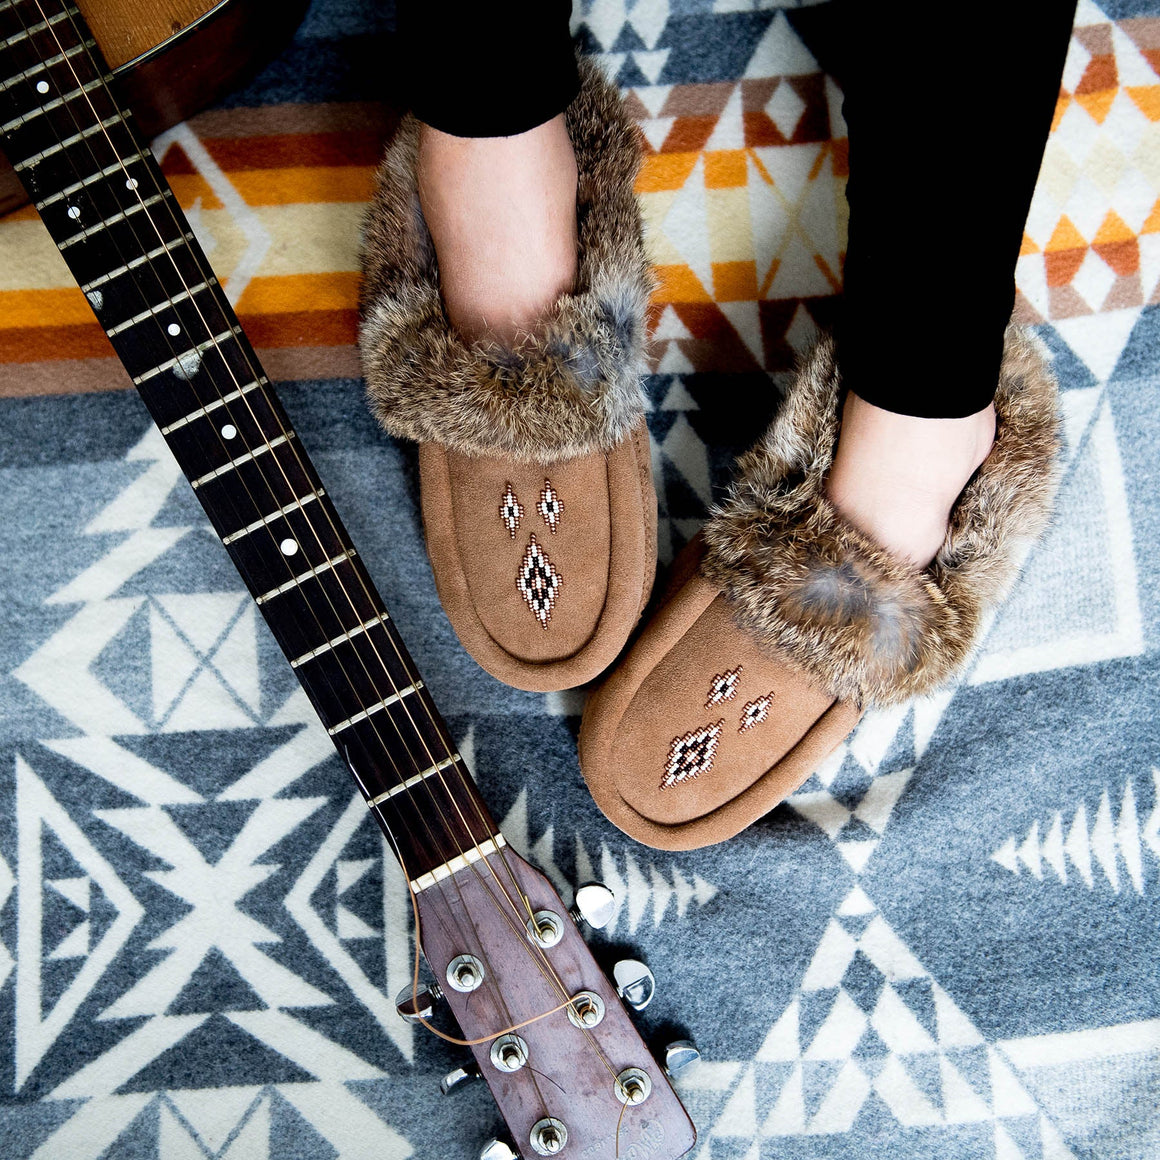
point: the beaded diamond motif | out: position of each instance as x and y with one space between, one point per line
551 506
691 754
755 712
539 582
724 687
511 511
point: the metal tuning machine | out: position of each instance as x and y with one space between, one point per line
678 1055
415 1005
594 905
459 1076
498 1150
635 983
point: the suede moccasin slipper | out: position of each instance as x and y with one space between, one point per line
534 463
784 622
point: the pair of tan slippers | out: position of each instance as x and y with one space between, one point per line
781 622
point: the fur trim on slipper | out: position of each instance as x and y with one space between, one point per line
571 386
873 629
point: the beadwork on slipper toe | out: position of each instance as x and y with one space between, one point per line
795 622
534 466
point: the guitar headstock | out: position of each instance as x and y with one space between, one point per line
572 1077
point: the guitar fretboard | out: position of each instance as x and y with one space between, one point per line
124 237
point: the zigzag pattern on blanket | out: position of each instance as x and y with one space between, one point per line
951 929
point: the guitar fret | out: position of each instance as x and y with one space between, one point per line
414 780
40 26
56 103
60 146
156 297
153 311
342 638
192 353
201 412
112 221
84 46
386 702
309 574
277 441
97 283
117 167
476 854
295 505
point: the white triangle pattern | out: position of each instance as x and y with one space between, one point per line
927 1068
646 893
203 655
1070 849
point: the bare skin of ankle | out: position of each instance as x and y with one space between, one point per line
897 477
502 216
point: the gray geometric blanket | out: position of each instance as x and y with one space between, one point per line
944 945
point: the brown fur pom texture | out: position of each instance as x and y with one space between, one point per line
869 627
572 385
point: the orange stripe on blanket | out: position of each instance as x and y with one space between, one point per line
302 328
42 310
312 186
287 294
678 283
57 343
661 171
289 150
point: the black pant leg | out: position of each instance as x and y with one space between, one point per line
486 68
948 112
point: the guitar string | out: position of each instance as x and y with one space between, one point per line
386 749
139 289
426 705
362 582
228 414
395 842
568 1001
447 746
137 286
258 466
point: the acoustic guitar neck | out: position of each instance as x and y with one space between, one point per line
546 1027
123 235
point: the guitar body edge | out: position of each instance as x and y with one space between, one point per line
203 60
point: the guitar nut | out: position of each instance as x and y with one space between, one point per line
633 1086
549 1136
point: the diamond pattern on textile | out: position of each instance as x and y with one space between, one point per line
538 582
869 1028
511 511
691 754
1092 241
755 712
723 687
550 505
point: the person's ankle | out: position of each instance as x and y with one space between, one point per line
502 216
897 477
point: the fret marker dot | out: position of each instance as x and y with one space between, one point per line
42 86
289 547
229 431
173 329
74 212
131 183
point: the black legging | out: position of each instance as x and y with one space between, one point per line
946 130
